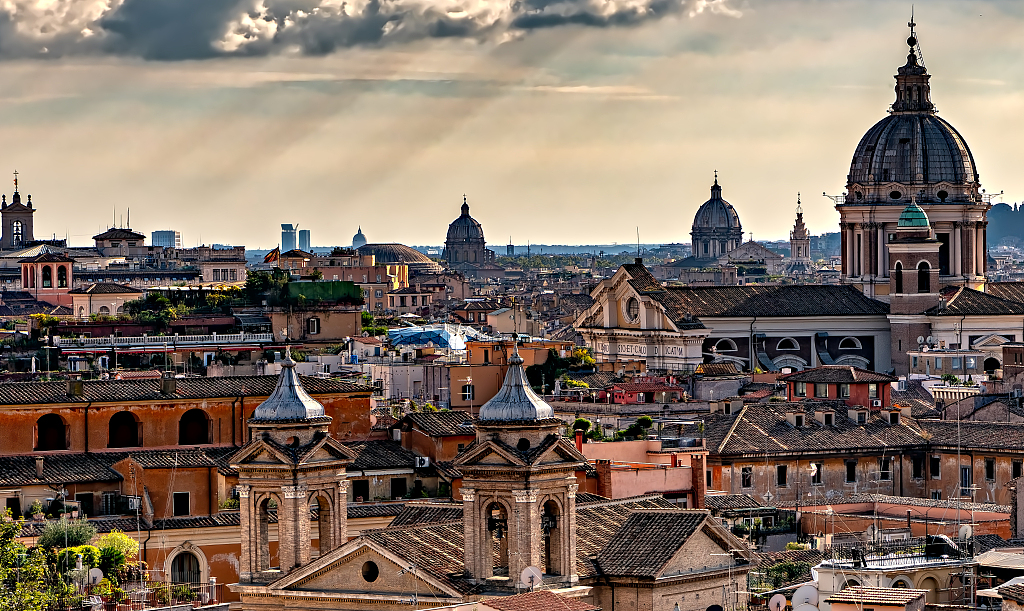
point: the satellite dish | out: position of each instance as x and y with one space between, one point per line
777 603
531 577
920 339
869 532
95 576
966 531
805 595
931 340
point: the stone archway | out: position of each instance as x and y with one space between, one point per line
186 564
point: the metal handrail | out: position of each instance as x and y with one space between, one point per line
169 340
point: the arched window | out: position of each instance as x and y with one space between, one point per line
124 431
497 530
923 277
897 276
120 309
17 234
551 528
104 310
47 276
51 433
81 311
185 569
725 345
62 277
325 534
849 343
991 364
193 428
787 343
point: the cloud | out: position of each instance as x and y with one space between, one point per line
170 30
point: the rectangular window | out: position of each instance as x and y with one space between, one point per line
938 363
844 391
780 476
234 275
360 490
414 300
828 419
817 475
956 363
483 317
933 468
990 469
707 478
851 471
399 487
894 417
1017 469
216 275
468 392
913 362
401 301
747 477
313 326
885 470
918 467
821 391
862 417
182 506
801 389
378 293
470 317
799 419
971 363
873 391
936 495
965 481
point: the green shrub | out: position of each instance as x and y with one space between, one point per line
67 558
66 533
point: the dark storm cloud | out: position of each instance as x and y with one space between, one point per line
169 30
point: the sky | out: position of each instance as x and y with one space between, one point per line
562 121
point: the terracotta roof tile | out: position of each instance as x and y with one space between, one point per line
542 600
647 540
446 423
836 374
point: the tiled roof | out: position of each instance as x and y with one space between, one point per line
641 279
766 301
97 288
984 543
762 428
117 233
380 455
542 600
57 469
437 549
166 459
812 557
580 301
597 523
717 369
428 513
910 501
647 387
876 596
837 374
730 501
48 257
645 543
375 510
33 393
1013 592
583 498
974 434
596 379
1010 291
295 253
963 301
446 423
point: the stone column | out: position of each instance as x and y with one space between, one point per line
528 545
293 528
246 512
340 526
471 531
569 537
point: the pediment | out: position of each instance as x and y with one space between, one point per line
990 341
328 449
260 453
488 453
561 452
342 572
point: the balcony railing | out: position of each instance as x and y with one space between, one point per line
170 341
139 597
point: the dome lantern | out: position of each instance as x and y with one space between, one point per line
515 401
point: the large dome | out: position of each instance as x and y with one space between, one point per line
913 148
359 240
465 228
913 154
716 213
400 253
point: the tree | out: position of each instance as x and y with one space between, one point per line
22 572
116 539
581 424
317 275
62 533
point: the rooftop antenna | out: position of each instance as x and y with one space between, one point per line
129 218
638 241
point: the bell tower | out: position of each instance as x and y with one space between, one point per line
293 464
519 488
16 218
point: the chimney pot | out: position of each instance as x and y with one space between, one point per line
168 384
39 467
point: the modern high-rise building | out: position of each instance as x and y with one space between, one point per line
304 240
288 232
168 238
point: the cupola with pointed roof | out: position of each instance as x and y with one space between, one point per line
515 401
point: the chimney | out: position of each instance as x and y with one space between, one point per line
579 440
908 522
168 384
74 387
698 473
639 260
604 478
39 467
675 459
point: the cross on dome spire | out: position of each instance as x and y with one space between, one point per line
15 181
913 93
465 205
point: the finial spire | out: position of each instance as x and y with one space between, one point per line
799 208
716 177
15 181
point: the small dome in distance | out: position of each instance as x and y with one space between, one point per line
359 239
913 216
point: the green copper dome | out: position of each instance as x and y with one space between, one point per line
913 216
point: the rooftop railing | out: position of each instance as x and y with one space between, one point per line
170 341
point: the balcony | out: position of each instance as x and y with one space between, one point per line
157 343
